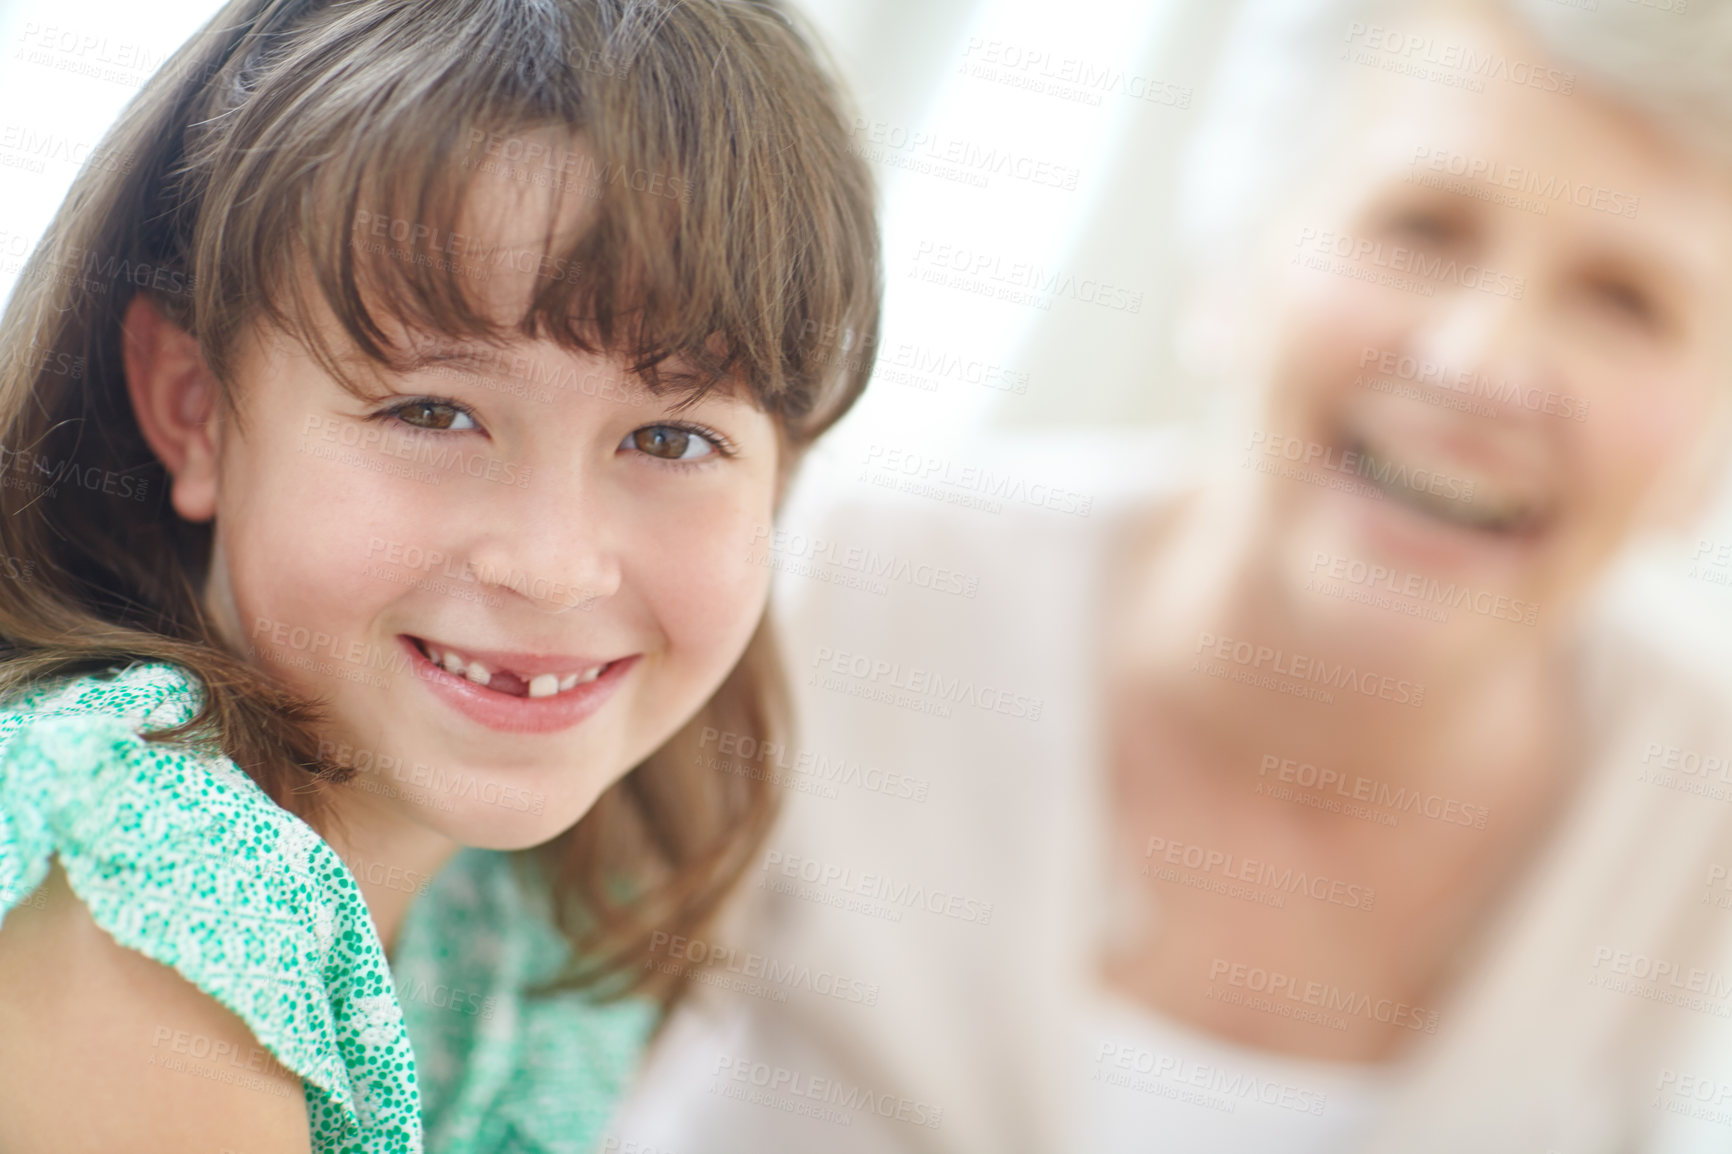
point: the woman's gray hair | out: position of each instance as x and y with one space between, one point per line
1671 59
1277 93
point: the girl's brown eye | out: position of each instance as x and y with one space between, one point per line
670 443
429 414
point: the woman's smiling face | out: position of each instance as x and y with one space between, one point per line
1498 343
513 573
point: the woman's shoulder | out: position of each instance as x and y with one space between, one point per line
180 856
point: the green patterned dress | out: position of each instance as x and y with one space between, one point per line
180 855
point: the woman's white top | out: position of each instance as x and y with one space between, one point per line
1159 1085
910 966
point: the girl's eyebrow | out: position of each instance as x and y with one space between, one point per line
485 359
468 358
418 358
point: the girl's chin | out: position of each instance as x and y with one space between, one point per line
507 831
500 810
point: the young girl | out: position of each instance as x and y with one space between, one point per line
385 440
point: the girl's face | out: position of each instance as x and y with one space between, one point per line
513 575
1498 344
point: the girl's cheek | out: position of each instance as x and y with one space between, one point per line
706 580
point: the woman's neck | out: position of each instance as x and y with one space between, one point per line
1226 761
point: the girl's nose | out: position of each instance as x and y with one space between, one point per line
552 545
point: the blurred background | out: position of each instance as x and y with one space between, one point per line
1031 158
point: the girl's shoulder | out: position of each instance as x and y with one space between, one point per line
179 855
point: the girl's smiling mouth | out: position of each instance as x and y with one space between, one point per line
519 693
518 676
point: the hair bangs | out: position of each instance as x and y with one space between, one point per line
517 186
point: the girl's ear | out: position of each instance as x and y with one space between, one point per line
174 400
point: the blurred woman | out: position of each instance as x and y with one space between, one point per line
1329 804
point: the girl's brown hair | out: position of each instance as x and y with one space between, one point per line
728 225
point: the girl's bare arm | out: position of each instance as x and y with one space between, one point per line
103 1049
